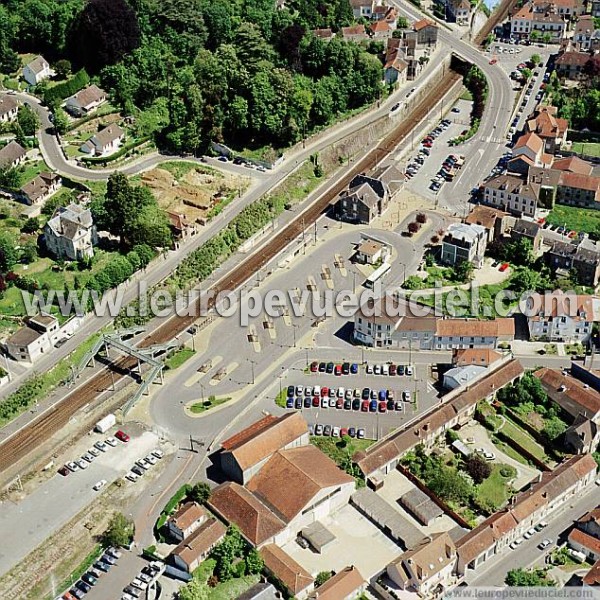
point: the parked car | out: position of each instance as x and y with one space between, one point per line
544 544
290 390
314 367
366 393
352 432
516 543
373 406
530 532
335 432
101 566
354 368
83 586
64 471
318 429
89 579
111 441
98 486
360 434
327 430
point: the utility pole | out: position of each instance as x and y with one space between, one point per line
252 367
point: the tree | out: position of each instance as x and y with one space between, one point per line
61 123
8 253
535 59
194 590
31 225
464 270
322 577
546 37
524 578
554 427
450 485
227 551
29 252
10 178
120 531
63 68
478 468
104 32
534 36
200 492
519 252
28 120
526 74
413 227
254 562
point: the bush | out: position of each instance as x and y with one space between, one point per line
63 90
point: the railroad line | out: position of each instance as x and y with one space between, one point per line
51 421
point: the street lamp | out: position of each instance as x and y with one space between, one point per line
252 363
201 390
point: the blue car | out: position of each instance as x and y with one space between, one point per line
354 368
290 390
373 406
382 395
289 403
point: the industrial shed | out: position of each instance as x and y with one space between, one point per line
420 506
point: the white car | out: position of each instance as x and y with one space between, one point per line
127 596
369 369
335 432
516 543
544 544
114 552
72 466
94 452
151 459
98 486
158 453
489 456
316 390
131 476
341 392
385 369
82 464
324 402
111 441
530 532
144 577
308 391
138 583
100 446
332 402
409 370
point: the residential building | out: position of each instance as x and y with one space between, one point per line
590 523
293 489
346 584
380 30
196 547
244 454
39 189
512 194
583 33
85 101
572 164
541 17
33 340
585 543
565 8
362 8
395 71
495 221
530 148
582 257
426 569
260 591
427 32
296 579
527 230
592 577
71 234
472 333
37 70
582 436
456 409
464 242
575 189
325 34
186 520
9 108
571 64
482 357
551 129
354 33
458 11
105 142
552 490
12 155
562 317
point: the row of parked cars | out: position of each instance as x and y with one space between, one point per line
142 580
88 458
367 399
530 533
447 171
90 578
328 430
144 464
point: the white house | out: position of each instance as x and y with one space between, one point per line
562 317
464 242
85 101
70 233
12 155
9 108
512 194
105 142
37 70
33 340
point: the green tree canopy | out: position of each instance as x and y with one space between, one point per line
120 531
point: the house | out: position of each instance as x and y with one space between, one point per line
580 190
325 34
584 32
39 189
12 155
590 523
293 489
552 490
395 71
531 146
37 70
427 32
565 8
582 436
370 252
362 8
571 64
483 357
71 234
572 164
33 340
380 30
512 194
346 584
196 547
561 317
464 242
85 101
297 580
179 224
528 230
585 543
186 520
493 220
388 14
260 591
592 577
426 569
551 129
383 457
104 142
354 33
244 454
459 11
9 108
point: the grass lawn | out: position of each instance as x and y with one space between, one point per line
589 148
574 218
180 168
298 185
233 588
87 562
466 95
509 451
523 439
334 448
281 399
30 170
201 407
180 356
494 490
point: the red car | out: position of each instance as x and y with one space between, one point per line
314 367
339 403
338 369
343 432
121 435
382 406
324 391
365 406
316 401
64 471
503 267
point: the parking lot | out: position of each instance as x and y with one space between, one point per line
459 121
392 399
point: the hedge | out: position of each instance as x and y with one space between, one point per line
176 498
104 160
63 90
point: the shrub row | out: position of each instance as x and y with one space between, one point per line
67 88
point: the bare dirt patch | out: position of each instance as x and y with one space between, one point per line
192 189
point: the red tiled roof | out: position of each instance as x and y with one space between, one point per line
586 540
592 577
286 569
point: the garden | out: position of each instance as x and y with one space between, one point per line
341 452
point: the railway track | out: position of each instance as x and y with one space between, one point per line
41 429
499 15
